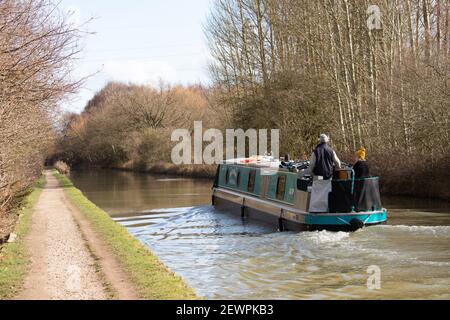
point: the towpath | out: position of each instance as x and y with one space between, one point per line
68 260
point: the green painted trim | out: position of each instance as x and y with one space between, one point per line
242 187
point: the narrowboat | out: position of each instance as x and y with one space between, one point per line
279 193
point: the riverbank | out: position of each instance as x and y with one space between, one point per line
165 168
14 258
65 248
63 264
150 277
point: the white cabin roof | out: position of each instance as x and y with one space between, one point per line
255 161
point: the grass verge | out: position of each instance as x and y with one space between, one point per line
14 258
151 277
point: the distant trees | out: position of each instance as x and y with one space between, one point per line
37 46
329 65
131 125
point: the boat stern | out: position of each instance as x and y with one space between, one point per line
346 222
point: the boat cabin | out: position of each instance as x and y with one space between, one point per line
260 189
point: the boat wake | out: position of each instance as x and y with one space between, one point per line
226 249
438 231
208 217
322 237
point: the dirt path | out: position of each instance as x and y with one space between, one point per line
69 261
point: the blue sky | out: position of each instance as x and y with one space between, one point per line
140 41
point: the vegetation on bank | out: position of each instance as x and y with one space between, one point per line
37 47
372 74
13 256
153 280
130 126
62 167
165 168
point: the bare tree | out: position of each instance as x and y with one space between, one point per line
37 47
387 88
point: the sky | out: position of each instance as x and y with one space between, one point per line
139 41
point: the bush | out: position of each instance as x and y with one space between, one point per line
62 167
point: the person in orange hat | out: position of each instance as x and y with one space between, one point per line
361 166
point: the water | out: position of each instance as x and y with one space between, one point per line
222 257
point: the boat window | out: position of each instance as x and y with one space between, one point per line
233 177
281 187
251 181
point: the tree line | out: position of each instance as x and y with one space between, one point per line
130 126
37 46
369 73
318 63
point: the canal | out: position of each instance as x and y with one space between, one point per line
222 257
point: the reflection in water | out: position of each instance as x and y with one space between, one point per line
222 257
117 192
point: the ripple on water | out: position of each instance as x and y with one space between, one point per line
224 257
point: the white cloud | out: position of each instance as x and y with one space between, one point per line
140 72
